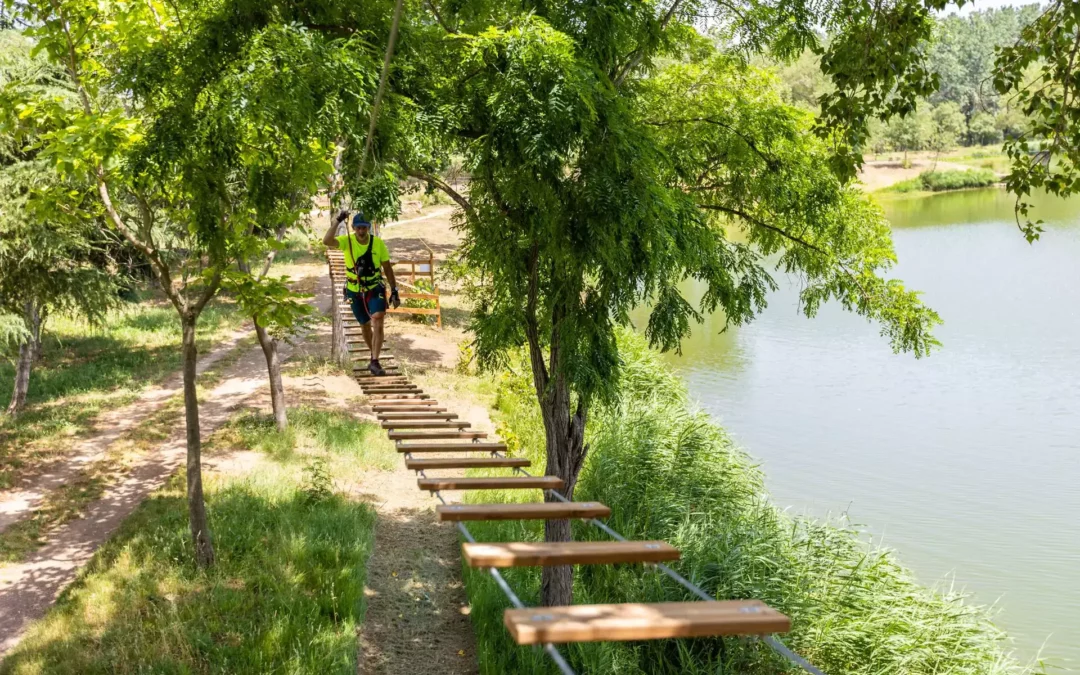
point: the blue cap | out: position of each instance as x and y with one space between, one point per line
359 221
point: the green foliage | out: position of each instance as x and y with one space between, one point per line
938 181
962 55
670 473
271 302
56 261
1046 156
587 200
948 126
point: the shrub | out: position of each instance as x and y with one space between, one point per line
668 472
938 181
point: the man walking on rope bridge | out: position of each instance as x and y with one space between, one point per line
366 259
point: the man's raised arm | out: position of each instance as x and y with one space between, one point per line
330 238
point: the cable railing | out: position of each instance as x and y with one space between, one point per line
770 640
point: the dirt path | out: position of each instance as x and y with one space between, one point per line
108 428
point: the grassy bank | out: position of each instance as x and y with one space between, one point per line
286 594
87 370
668 472
941 181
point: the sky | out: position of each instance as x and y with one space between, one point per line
979 5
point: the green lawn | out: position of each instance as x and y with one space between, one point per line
286 594
86 370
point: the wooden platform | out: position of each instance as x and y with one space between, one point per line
527 511
428 435
411 406
536 554
466 463
632 621
415 416
491 483
474 446
425 424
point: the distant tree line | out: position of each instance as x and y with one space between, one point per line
966 109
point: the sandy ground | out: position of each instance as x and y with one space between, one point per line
881 174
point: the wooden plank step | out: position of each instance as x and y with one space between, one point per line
386 379
491 483
363 369
428 435
533 554
634 621
426 424
466 463
382 356
408 406
390 388
386 398
526 511
421 415
475 446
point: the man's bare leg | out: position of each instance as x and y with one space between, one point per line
376 335
365 328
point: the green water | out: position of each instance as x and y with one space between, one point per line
967 462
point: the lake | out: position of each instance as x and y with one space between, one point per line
966 462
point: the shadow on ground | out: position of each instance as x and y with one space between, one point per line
285 594
417 619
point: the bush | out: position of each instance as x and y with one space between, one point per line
939 181
668 472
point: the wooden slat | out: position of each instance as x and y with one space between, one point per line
526 511
412 310
533 554
426 424
411 406
390 388
466 463
380 398
423 415
428 435
631 621
491 483
484 446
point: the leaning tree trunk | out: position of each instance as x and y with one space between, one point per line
28 353
269 346
200 526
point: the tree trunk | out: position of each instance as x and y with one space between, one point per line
565 434
339 350
200 527
273 368
29 352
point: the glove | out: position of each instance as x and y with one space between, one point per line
395 301
341 217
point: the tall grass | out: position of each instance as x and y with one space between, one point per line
668 472
286 594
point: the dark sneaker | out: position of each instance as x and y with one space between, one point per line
375 368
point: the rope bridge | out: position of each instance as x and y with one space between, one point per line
419 425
